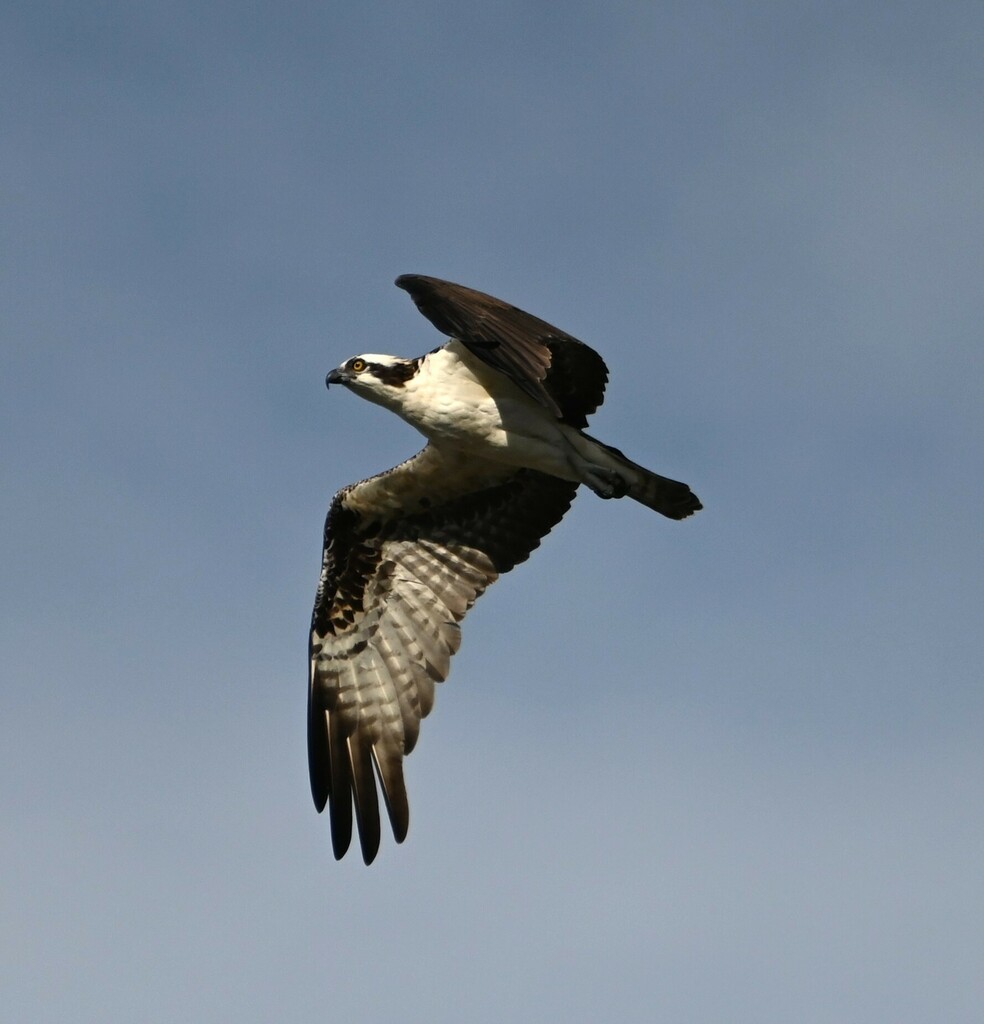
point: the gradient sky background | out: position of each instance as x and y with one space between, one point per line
723 770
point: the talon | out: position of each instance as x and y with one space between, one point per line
607 484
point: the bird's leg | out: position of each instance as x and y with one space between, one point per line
606 483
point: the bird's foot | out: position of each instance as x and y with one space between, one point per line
606 483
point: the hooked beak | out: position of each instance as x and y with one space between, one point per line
337 376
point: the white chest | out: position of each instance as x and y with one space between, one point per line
456 398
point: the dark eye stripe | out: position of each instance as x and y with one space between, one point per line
396 375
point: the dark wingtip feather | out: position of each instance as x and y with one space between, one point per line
319 762
436 300
340 843
409 282
366 798
390 771
340 796
341 826
417 285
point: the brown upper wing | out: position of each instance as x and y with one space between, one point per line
560 372
406 555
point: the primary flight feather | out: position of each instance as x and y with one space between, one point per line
503 405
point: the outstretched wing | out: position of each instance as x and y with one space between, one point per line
406 555
560 372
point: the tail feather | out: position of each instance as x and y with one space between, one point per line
671 498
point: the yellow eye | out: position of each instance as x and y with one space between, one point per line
358 365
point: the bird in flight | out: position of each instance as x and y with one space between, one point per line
503 406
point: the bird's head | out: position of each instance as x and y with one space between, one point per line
378 378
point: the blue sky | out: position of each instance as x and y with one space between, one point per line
727 769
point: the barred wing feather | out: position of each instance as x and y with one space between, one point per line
406 555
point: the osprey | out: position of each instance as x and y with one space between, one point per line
503 405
